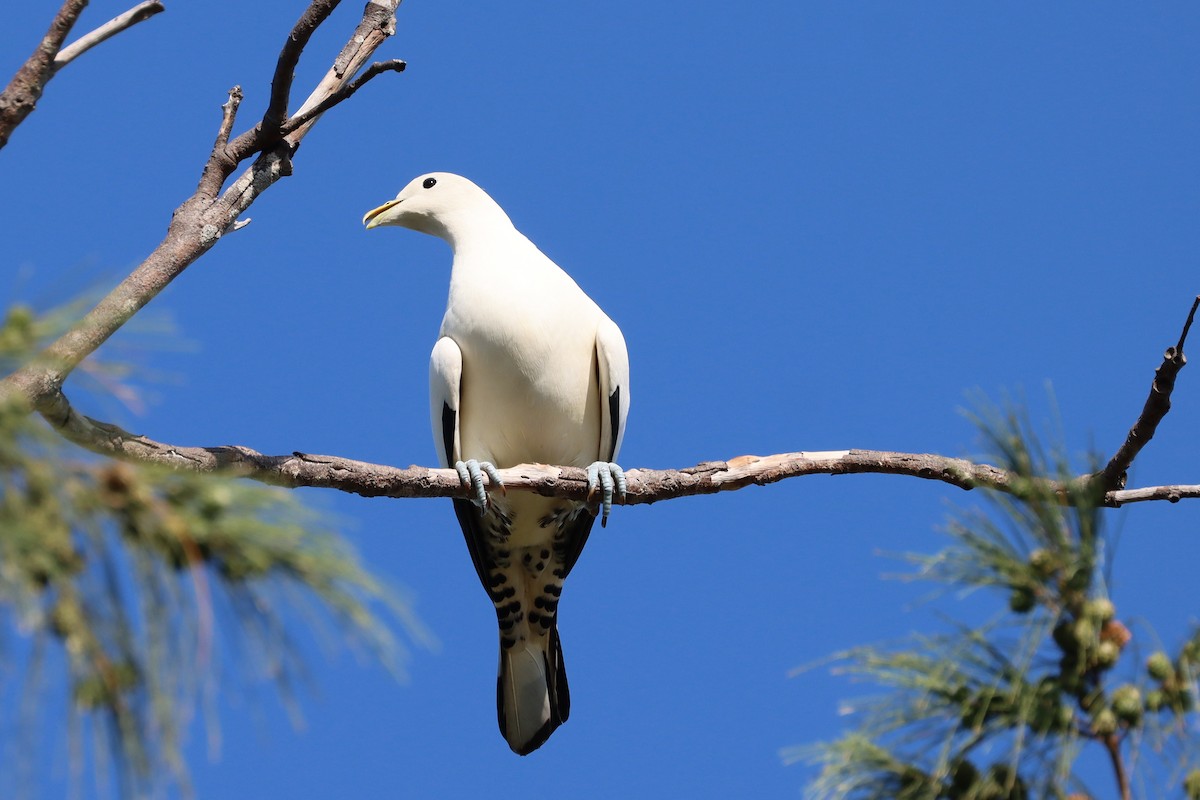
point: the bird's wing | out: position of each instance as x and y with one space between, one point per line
612 366
612 362
445 383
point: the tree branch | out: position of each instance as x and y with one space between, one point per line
285 68
228 114
1157 405
378 23
1172 494
221 163
644 485
378 68
121 22
204 217
20 97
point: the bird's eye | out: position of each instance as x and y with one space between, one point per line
429 182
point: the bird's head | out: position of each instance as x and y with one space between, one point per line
438 203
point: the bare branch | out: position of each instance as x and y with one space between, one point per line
1172 494
375 480
229 113
221 163
1156 407
378 23
201 220
644 485
139 13
378 68
285 68
20 97
1187 326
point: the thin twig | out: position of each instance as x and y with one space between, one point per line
1158 403
221 162
229 113
1187 326
119 23
1172 494
379 67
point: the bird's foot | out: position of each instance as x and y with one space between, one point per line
609 479
471 473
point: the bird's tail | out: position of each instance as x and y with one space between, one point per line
532 698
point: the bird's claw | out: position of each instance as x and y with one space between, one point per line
471 473
609 478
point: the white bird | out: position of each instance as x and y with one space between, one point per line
526 369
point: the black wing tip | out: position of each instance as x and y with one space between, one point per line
614 416
449 428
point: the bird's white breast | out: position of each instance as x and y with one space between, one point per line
528 339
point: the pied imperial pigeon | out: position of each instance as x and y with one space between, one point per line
526 369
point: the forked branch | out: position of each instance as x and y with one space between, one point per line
21 96
213 209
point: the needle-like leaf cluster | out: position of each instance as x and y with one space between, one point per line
140 589
1003 711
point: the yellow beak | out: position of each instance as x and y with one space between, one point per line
371 218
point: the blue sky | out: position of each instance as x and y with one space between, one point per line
819 225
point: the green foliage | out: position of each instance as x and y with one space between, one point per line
1191 784
148 582
1004 710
